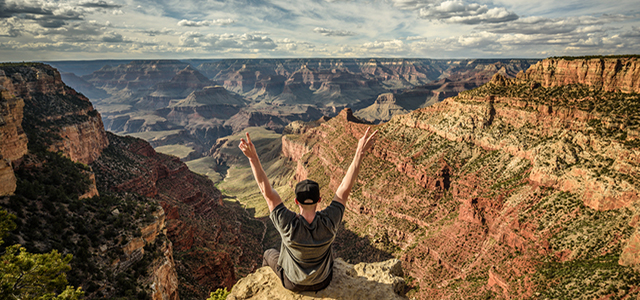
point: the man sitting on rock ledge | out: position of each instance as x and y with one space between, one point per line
305 262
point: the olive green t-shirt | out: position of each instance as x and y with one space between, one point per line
305 253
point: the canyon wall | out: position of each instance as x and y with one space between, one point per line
609 73
136 221
516 189
214 242
57 115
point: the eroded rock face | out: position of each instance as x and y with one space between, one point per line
135 75
7 178
13 140
56 115
214 242
611 74
381 280
512 190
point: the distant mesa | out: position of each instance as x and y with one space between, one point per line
210 95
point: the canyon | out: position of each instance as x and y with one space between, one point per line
186 105
114 203
524 187
491 179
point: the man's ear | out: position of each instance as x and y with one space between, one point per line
296 200
319 199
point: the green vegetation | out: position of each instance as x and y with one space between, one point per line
591 278
181 151
219 294
25 275
52 219
206 166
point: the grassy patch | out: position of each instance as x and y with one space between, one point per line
152 135
180 151
205 166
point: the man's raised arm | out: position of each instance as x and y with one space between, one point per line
270 195
364 144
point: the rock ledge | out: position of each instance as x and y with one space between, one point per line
382 280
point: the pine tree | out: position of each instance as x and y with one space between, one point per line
25 275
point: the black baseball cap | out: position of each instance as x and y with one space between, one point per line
307 192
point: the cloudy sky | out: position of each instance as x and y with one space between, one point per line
113 29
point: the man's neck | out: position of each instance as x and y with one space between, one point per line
308 215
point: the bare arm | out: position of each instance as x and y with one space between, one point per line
364 144
270 195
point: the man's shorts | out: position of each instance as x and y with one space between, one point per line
270 259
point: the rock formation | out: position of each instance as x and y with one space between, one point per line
57 192
205 231
135 75
350 282
608 73
123 238
56 114
13 140
516 189
156 100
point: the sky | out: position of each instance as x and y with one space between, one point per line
39 30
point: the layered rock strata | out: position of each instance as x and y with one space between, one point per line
611 74
57 115
511 190
204 230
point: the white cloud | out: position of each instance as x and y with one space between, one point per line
100 4
416 38
112 37
411 4
194 39
393 45
330 32
154 32
453 11
10 27
218 22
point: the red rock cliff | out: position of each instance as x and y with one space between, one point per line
53 109
609 73
13 141
215 243
504 191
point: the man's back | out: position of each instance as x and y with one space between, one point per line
306 260
305 253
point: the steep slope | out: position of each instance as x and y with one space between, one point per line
611 74
13 140
511 190
59 117
114 203
204 229
56 201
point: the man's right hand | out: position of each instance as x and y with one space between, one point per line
247 147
